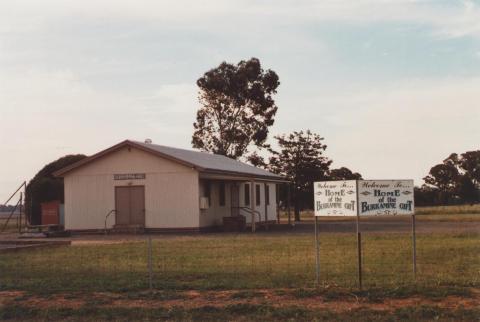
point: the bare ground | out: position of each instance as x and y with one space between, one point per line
219 299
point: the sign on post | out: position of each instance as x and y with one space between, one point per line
363 198
335 198
385 197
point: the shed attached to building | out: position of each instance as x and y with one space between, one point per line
147 186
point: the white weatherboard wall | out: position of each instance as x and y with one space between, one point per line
271 208
213 216
171 191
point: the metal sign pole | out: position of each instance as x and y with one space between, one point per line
317 252
414 246
359 252
359 245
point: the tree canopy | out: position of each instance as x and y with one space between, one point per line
455 180
45 187
301 160
237 108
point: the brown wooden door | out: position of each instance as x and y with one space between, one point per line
122 205
137 205
130 205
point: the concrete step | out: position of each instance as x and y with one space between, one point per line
128 229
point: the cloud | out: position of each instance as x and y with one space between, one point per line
47 114
401 129
458 19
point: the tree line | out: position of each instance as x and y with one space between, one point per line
454 181
237 110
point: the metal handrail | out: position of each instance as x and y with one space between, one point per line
253 213
106 217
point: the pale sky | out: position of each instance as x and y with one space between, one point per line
393 86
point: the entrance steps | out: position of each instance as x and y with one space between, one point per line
128 229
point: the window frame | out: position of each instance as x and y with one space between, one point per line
267 194
246 194
222 194
258 195
207 193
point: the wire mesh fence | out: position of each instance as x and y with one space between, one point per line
243 261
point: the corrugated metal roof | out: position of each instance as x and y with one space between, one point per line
209 161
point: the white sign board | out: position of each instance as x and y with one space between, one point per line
385 197
335 198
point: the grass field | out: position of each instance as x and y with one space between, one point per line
249 274
243 277
438 213
227 261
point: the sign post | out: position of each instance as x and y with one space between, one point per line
363 198
414 250
317 252
332 198
359 244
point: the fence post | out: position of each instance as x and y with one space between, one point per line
150 262
20 214
414 246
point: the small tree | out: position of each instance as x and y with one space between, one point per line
444 176
238 108
45 187
457 177
301 161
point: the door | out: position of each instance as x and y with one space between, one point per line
130 205
137 205
234 197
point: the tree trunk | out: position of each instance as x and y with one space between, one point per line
297 209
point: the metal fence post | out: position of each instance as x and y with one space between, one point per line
150 262
414 246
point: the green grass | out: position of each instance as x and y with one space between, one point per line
237 312
459 213
12 225
245 261
448 210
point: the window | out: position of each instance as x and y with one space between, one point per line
247 194
221 194
267 195
207 191
257 194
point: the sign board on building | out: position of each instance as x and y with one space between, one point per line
129 176
385 197
335 198
374 197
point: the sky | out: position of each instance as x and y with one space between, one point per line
392 86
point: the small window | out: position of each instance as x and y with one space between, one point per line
247 194
207 192
267 194
257 194
221 194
